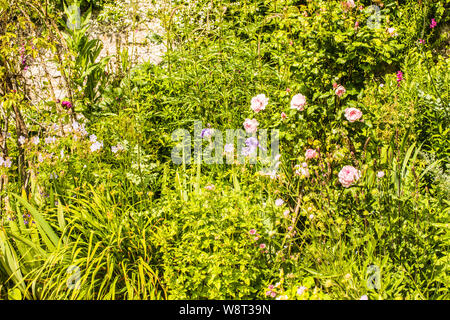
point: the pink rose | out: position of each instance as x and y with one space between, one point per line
310 154
251 125
348 176
259 102
353 114
298 102
340 90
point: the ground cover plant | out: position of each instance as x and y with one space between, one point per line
122 181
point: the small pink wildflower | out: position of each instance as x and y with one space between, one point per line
380 174
392 32
210 187
66 104
262 245
340 90
399 77
433 23
283 115
252 231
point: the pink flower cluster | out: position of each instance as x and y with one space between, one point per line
349 4
311 154
399 77
271 291
433 23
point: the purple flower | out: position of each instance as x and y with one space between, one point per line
206 133
252 142
229 148
399 77
433 23
66 104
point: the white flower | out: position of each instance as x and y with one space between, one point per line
279 202
301 290
96 146
35 140
21 140
93 138
50 140
392 32
8 163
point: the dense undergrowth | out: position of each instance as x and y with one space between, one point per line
93 207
